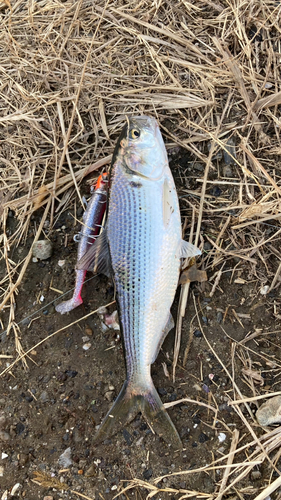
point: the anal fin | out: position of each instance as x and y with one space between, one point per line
187 250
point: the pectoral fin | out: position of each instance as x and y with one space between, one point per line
97 258
187 250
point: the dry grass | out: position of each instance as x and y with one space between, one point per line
210 72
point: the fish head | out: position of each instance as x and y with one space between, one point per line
142 148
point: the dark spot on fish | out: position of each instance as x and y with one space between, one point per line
135 184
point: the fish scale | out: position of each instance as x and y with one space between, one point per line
142 246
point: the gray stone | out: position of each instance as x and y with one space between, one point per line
4 436
3 421
270 412
42 249
227 171
65 458
44 397
109 395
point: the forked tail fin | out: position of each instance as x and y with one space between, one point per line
128 404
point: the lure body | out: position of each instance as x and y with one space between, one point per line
92 220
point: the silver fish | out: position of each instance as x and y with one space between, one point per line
143 241
92 219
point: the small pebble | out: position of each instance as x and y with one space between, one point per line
4 436
127 436
1 471
227 171
216 191
23 458
270 411
255 474
42 249
114 487
88 331
20 428
173 397
92 471
48 498
203 438
109 395
207 246
4 455
61 263
3 421
198 334
219 317
147 474
65 458
198 166
221 437
44 397
87 346
71 373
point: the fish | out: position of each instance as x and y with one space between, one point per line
92 220
141 247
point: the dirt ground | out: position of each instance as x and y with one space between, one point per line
56 402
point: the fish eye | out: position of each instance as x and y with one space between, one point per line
134 133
